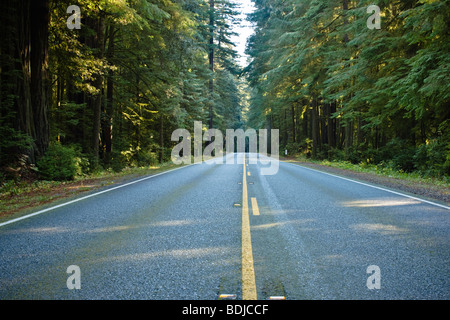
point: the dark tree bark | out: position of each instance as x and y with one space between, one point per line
96 42
22 51
24 67
294 136
107 118
161 138
332 125
211 60
40 82
315 127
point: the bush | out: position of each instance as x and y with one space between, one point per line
336 154
58 163
399 153
82 164
118 162
146 158
353 155
293 148
433 158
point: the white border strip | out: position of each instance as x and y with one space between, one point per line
166 172
372 186
89 196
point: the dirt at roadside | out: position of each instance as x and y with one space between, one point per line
40 196
424 190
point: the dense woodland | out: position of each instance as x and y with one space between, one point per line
339 90
110 94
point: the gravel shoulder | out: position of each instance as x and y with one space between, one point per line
421 189
34 194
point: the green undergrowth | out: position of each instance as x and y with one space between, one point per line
381 169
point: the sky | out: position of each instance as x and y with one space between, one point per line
244 30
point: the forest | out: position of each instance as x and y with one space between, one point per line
337 89
108 95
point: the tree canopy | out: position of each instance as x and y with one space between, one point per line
338 89
114 90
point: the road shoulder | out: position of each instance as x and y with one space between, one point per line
39 195
425 190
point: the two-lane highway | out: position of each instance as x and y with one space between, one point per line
209 229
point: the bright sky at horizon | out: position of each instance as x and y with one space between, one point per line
244 30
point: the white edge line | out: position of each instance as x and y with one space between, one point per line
166 172
89 196
372 186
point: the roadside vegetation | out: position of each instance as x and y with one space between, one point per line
381 169
428 163
24 194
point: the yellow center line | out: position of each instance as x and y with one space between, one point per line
255 207
248 269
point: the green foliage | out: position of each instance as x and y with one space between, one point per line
390 88
432 158
12 143
58 163
399 153
150 75
294 148
118 162
334 88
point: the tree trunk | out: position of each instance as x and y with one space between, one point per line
285 129
348 136
109 108
96 42
294 137
211 61
23 82
40 82
332 125
24 27
323 124
359 132
305 130
15 74
315 127
161 138
345 8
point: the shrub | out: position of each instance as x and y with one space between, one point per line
404 161
82 165
58 163
146 158
293 148
433 158
353 155
399 153
118 162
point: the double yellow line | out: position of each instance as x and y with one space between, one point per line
248 269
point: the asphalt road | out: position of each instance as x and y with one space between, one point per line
206 230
